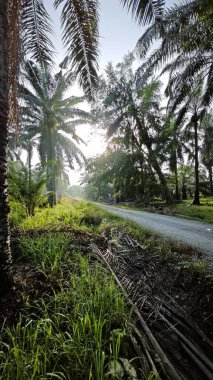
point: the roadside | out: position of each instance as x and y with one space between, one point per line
196 234
184 209
95 293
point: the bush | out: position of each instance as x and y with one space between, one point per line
17 214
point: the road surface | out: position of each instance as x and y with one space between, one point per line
197 234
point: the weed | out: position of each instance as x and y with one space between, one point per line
46 251
66 335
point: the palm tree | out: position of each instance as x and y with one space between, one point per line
185 50
52 117
27 192
134 114
191 113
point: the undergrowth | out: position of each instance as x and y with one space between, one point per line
75 325
203 213
73 331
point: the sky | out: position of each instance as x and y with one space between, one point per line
118 36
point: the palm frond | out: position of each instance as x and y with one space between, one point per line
69 149
144 11
35 31
80 35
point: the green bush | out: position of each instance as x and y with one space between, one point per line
17 214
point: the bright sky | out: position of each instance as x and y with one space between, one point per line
118 36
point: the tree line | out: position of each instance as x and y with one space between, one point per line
153 151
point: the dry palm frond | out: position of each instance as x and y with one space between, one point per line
168 328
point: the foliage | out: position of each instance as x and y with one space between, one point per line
36 29
134 116
145 10
65 334
80 23
185 31
204 212
26 187
17 214
117 176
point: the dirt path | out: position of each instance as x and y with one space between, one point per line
197 234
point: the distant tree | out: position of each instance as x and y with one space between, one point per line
190 113
49 114
122 108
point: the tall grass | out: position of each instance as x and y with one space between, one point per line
202 213
66 334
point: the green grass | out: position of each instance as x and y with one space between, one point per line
185 209
74 325
203 213
74 332
70 214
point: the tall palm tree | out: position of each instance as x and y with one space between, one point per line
52 117
135 114
191 112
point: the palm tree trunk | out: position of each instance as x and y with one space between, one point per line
177 195
51 161
152 158
5 253
196 200
165 190
156 166
184 192
29 159
211 180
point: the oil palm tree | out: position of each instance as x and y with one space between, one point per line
134 114
53 117
185 50
191 112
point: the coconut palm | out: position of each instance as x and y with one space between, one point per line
53 117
